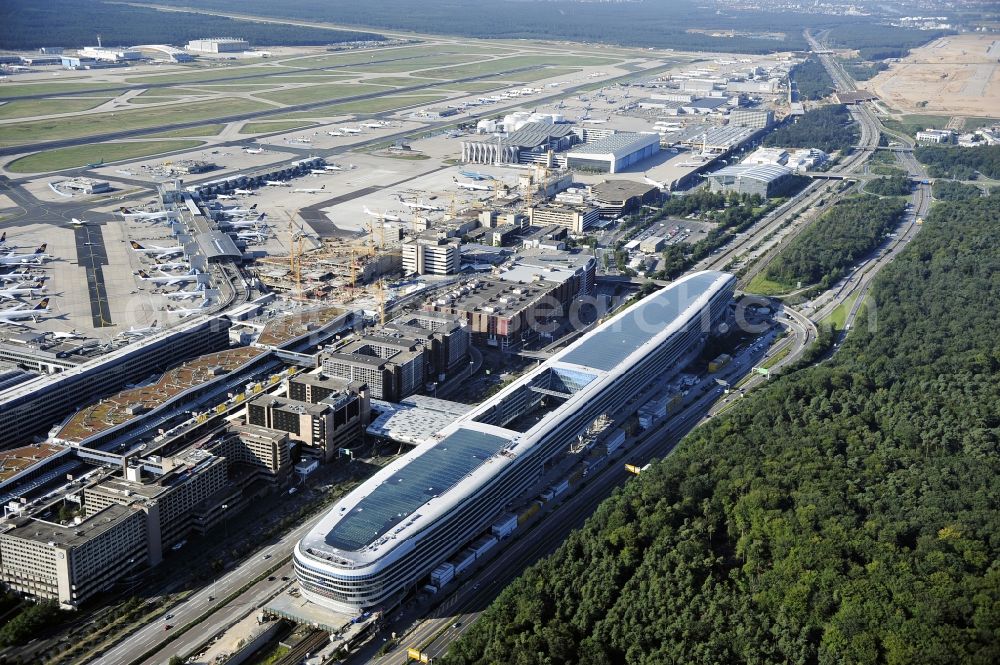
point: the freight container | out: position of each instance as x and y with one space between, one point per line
504 526
615 440
559 488
462 562
442 574
483 545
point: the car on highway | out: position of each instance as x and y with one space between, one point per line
457 624
168 626
168 617
271 578
266 557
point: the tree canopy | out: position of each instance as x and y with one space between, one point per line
828 128
846 513
960 163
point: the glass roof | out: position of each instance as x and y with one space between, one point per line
430 474
609 346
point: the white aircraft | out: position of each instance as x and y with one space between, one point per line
139 332
253 151
593 121
156 250
72 334
225 197
79 222
148 216
36 257
22 312
238 211
383 216
168 279
301 139
332 167
243 192
20 276
255 236
249 223
17 292
352 130
374 125
309 190
187 293
276 183
335 133
474 186
194 310
171 265
654 183
319 172
419 205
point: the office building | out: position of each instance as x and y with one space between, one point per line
445 339
326 426
431 256
389 534
71 563
266 450
763 179
576 218
613 154
391 367
615 198
935 136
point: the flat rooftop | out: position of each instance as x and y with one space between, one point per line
71 535
429 475
127 404
16 460
286 328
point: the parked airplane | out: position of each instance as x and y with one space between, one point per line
243 192
332 167
472 186
94 165
276 183
238 210
319 172
253 151
168 279
254 236
187 293
22 312
19 276
225 197
382 216
17 292
79 222
139 332
374 125
309 190
421 206
171 265
156 250
148 216
72 334
301 139
36 257
654 183
193 310
475 175
352 130
335 133
248 223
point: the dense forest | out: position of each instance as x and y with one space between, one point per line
950 190
31 25
861 70
843 235
960 163
677 24
846 513
812 80
828 128
893 185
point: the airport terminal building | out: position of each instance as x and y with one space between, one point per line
402 523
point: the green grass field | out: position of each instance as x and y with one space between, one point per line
776 358
515 62
99 123
539 74
275 126
29 108
377 105
153 100
169 92
200 130
761 285
209 74
399 81
16 90
66 158
319 93
838 317
362 57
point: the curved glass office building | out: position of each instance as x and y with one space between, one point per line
408 518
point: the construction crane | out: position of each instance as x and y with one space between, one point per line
380 292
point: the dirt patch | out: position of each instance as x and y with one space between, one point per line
957 75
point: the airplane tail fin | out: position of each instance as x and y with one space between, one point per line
41 248
3 238
136 246
42 304
253 207
143 274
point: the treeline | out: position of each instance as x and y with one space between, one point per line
30 623
812 80
842 236
950 190
960 163
846 513
676 24
880 42
31 25
893 185
861 70
829 128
